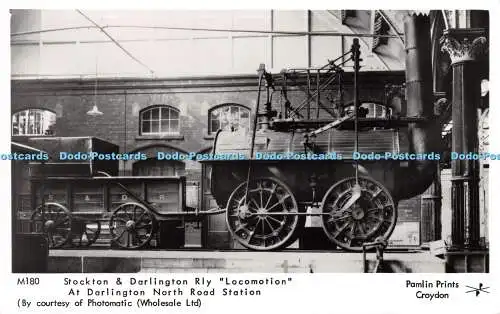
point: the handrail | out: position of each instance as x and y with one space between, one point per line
379 244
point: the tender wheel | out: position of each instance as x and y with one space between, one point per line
265 220
88 233
358 214
54 220
131 226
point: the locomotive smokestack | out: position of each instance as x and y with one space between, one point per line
424 137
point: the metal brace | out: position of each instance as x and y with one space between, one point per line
379 244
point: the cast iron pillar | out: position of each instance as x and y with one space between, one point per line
465 47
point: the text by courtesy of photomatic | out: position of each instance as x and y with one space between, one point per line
155 291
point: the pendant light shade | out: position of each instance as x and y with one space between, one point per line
94 112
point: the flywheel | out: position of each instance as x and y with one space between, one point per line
358 213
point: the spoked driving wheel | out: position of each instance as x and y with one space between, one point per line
358 213
54 220
265 218
131 226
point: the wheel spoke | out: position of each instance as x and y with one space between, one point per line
374 195
339 231
241 203
62 222
144 222
349 242
272 218
271 193
353 228
261 196
280 201
371 215
388 220
129 215
374 209
141 216
61 228
250 236
241 227
125 213
254 202
135 237
362 228
144 226
336 219
270 225
274 205
120 219
121 234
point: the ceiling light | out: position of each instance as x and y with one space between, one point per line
94 112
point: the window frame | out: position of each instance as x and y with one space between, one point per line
209 118
159 120
27 111
376 104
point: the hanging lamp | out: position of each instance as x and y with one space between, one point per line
94 112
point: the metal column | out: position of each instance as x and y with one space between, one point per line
465 46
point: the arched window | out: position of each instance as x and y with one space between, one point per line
33 122
229 117
159 120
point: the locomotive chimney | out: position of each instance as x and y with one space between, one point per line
424 137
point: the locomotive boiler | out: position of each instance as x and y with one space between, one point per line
342 157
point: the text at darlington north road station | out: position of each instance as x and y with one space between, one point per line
83 156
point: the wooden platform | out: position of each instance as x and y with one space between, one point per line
111 261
